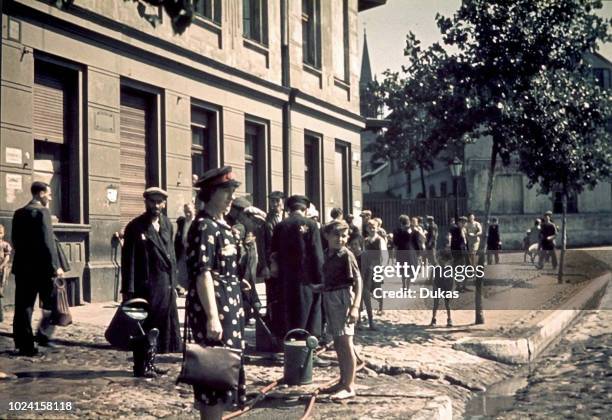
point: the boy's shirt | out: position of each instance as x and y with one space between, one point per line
340 270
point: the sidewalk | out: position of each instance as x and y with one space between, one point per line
413 370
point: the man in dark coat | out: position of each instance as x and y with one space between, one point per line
296 248
548 233
402 241
274 292
493 242
36 263
148 269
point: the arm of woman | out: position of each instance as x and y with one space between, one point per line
206 294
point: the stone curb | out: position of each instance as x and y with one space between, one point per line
438 408
527 349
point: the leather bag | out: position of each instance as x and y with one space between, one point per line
214 368
60 314
210 367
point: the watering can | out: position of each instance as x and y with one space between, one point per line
298 357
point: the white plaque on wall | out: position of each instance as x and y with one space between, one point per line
13 155
14 185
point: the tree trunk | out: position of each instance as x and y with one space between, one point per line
485 227
423 181
563 236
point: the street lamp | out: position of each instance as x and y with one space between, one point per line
455 168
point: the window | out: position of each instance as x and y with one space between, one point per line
311 32
209 9
203 140
342 176
571 205
255 163
255 20
312 171
443 192
55 129
139 147
340 31
432 191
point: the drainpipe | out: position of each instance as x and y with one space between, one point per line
286 81
287 171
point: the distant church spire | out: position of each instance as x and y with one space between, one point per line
365 77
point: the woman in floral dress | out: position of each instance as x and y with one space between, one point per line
214 306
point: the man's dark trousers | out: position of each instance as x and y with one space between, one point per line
26 289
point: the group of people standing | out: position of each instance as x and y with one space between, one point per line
221 247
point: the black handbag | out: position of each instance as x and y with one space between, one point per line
60 314
213 368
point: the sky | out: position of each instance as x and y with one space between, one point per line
388 25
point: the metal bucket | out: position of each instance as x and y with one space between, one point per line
298 357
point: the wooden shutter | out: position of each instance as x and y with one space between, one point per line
133 137
48 108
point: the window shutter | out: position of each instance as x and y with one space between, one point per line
133 136
48 108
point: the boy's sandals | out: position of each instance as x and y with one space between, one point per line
344 394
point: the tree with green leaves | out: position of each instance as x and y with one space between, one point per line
566 145
494 51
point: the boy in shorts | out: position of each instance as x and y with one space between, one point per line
341 299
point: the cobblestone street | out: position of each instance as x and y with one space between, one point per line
575 379
411 367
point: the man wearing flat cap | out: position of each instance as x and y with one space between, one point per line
148 269
296 248
274 291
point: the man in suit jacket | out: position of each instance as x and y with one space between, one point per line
296 248
36 263
274 292
148 269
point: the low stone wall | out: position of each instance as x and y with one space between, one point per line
583 229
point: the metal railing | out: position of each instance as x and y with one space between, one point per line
389 210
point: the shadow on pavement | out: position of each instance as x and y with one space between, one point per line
74 374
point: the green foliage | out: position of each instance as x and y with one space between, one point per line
565 143
501 52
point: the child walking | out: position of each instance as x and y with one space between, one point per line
341 298
443 284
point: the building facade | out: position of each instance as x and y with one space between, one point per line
101 99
